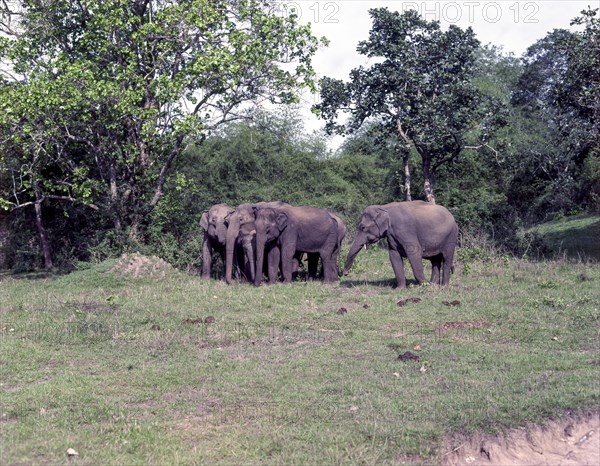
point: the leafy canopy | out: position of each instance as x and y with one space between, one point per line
114 89
420 87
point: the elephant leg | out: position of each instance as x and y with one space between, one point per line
313 264
244 265
337 265
436 263
329 269
206 257
296 264
287 261
416 262
273 260
398 266
448 263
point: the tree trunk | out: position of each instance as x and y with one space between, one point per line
3 238
405 157
162 177
114 196
39 221
407 194
428 178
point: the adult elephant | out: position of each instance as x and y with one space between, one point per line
214 221
292 229
414 229
241 233
313 258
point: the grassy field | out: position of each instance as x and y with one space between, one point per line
130 371
572 237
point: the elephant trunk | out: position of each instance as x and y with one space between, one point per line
221 233
357 245
261 241
249 248
231 238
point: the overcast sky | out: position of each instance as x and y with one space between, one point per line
512 24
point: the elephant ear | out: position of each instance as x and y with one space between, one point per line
281 219
204 220
382 219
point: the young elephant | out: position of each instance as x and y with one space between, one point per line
214 221
414 229
291 229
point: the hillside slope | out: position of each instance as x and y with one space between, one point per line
576 237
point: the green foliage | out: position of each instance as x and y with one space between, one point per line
421 90
271 158
99 98
557 98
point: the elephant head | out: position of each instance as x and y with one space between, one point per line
269 225
241 226
373 226
215 221
242 231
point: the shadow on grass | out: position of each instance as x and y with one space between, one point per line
578 242
40 275
389 283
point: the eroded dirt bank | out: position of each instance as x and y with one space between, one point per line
568 441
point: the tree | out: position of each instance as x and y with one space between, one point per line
420 89
558 101
99 98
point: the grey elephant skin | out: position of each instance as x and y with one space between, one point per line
214 221
290 229
313 258
241 233
414 229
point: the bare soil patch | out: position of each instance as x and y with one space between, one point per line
138 265
461 325
568 441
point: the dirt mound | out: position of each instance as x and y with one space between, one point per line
137 265
570 441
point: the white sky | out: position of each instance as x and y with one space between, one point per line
512 24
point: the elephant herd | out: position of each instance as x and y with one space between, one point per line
272 237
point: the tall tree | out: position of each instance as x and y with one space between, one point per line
98 98
420 87
558 97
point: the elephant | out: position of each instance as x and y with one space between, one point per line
214 221
313 258
291 229
241 232
414 229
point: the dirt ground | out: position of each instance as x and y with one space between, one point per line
137 265
568 441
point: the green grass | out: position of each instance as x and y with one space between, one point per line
574 237
280 377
